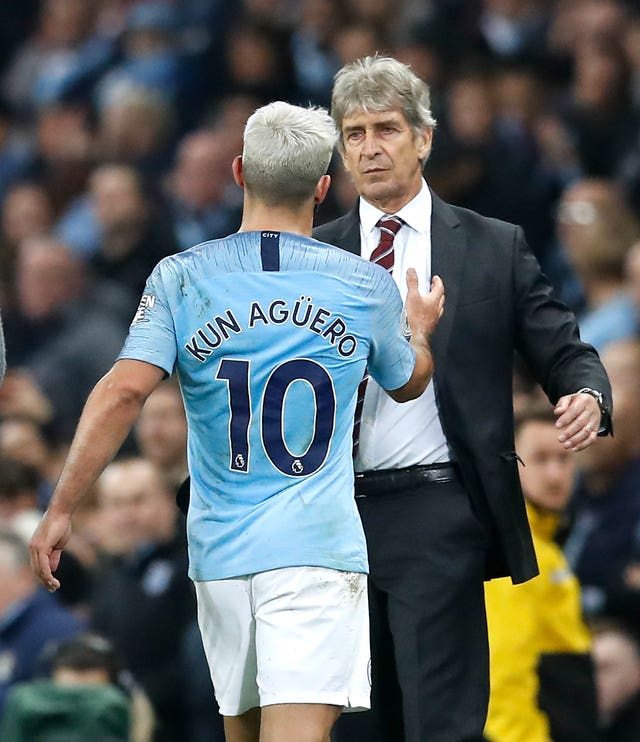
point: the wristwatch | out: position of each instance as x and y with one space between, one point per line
605 412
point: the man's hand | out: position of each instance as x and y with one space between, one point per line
423 312
46 546
578 420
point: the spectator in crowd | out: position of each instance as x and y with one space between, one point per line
19 497
629 167
21 397
161 432
61 54
119 228
380 15
24 439
15 149
27 212
255 63
606 509
229 116
312 51
356 40
87 695
598 111
19 509
134 236
199 187
437 483
62 328
143 598
596 228
542 684
30 617
151 57
584 22
522 103
65 150
487 169
620 569
137 126
616 651
515 29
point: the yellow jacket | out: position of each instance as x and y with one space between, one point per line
541 616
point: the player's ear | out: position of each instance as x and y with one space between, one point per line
236 167
322 188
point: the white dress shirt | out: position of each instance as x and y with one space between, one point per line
392 435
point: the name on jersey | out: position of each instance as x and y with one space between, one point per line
303 313
148 301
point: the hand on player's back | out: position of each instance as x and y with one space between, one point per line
423 311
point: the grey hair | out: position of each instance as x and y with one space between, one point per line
378 83
286 150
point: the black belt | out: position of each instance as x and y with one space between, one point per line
394 481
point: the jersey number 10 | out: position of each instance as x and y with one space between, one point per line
237 375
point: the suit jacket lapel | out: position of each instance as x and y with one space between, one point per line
448 249
448 252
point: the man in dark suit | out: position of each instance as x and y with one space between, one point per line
437 481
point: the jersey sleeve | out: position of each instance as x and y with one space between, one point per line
391 357
152 336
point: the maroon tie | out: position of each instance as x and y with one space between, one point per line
382 255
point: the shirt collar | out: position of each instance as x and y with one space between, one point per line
416 214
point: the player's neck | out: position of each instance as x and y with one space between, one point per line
273 219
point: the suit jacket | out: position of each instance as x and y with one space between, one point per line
497 302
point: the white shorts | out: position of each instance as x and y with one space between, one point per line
292 635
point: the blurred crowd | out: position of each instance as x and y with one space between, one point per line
119 120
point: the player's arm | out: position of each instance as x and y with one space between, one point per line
109 413
423 314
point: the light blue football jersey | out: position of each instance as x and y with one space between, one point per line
270 334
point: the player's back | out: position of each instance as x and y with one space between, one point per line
272 335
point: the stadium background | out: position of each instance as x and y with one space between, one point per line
118 124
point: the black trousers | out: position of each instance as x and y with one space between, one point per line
430 657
